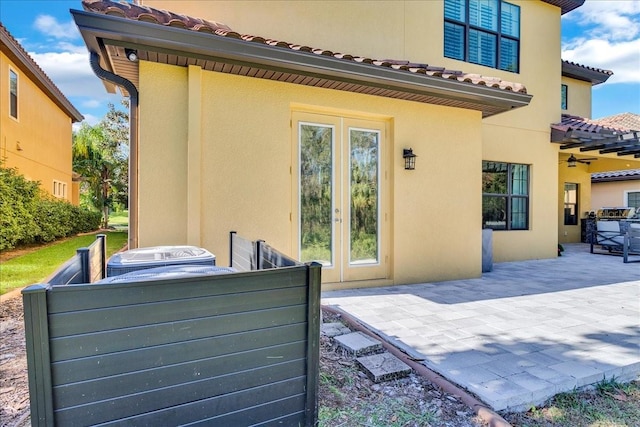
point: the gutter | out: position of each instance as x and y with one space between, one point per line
133 142
176 41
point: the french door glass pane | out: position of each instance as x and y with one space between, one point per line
363 187
316 193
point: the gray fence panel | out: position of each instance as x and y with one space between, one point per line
215 350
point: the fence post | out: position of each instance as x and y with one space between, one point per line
259 254
314 270
103 254
36 331
85 265
232 234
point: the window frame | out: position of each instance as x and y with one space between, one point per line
510 197
14 97
571 219
627 196
564 97
498 34
59 189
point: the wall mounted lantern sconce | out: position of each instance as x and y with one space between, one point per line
409 159
132 54
572 161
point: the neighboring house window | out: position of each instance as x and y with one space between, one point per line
633 199
59 189
485 32
13 94
505 196
563 96
570 204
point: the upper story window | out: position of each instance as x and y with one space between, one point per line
13 94
485 32
563 96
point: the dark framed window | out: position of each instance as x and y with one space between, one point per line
570 203
563 96
485 32
633 199
505 196
13 94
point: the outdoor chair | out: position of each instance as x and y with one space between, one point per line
631 243
608 236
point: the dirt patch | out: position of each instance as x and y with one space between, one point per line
14 387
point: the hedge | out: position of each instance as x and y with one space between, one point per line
29 215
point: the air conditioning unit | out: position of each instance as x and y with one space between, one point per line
166 272
158 256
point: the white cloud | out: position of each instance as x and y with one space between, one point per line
621 58
610 38
92 103
71 72
50 26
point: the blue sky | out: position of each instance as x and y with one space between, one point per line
602 33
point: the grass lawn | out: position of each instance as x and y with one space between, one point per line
119 219
36 266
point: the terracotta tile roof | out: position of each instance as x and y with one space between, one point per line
570 123
616 175
586 67
623 121
10 46
163 17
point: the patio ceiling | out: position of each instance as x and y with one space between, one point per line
588 136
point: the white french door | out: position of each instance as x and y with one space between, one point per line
340 176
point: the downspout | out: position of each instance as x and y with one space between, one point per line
133 142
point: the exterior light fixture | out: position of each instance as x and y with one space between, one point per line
572 161
409 159
132 55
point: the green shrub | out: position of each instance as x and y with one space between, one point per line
29 215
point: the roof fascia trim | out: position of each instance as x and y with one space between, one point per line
203 45
39 79
581 73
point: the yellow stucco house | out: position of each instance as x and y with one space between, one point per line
35 122
298 121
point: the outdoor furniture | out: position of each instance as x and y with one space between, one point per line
632 243
608 236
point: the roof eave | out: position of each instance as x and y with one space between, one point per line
566 6
577 72
18 56
96 29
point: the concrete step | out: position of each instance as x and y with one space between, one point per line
383 367
358 344
333 329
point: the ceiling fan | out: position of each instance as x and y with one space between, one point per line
572 161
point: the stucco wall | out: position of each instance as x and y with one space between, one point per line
246 159
578 175
578 97
611 194
38 143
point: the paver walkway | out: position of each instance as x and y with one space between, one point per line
519 334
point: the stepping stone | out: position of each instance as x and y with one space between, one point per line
358 344
334 329
383 367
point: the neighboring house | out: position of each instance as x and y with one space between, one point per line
35 122
615 189
289 123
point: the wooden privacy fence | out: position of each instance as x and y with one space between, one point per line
226 349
